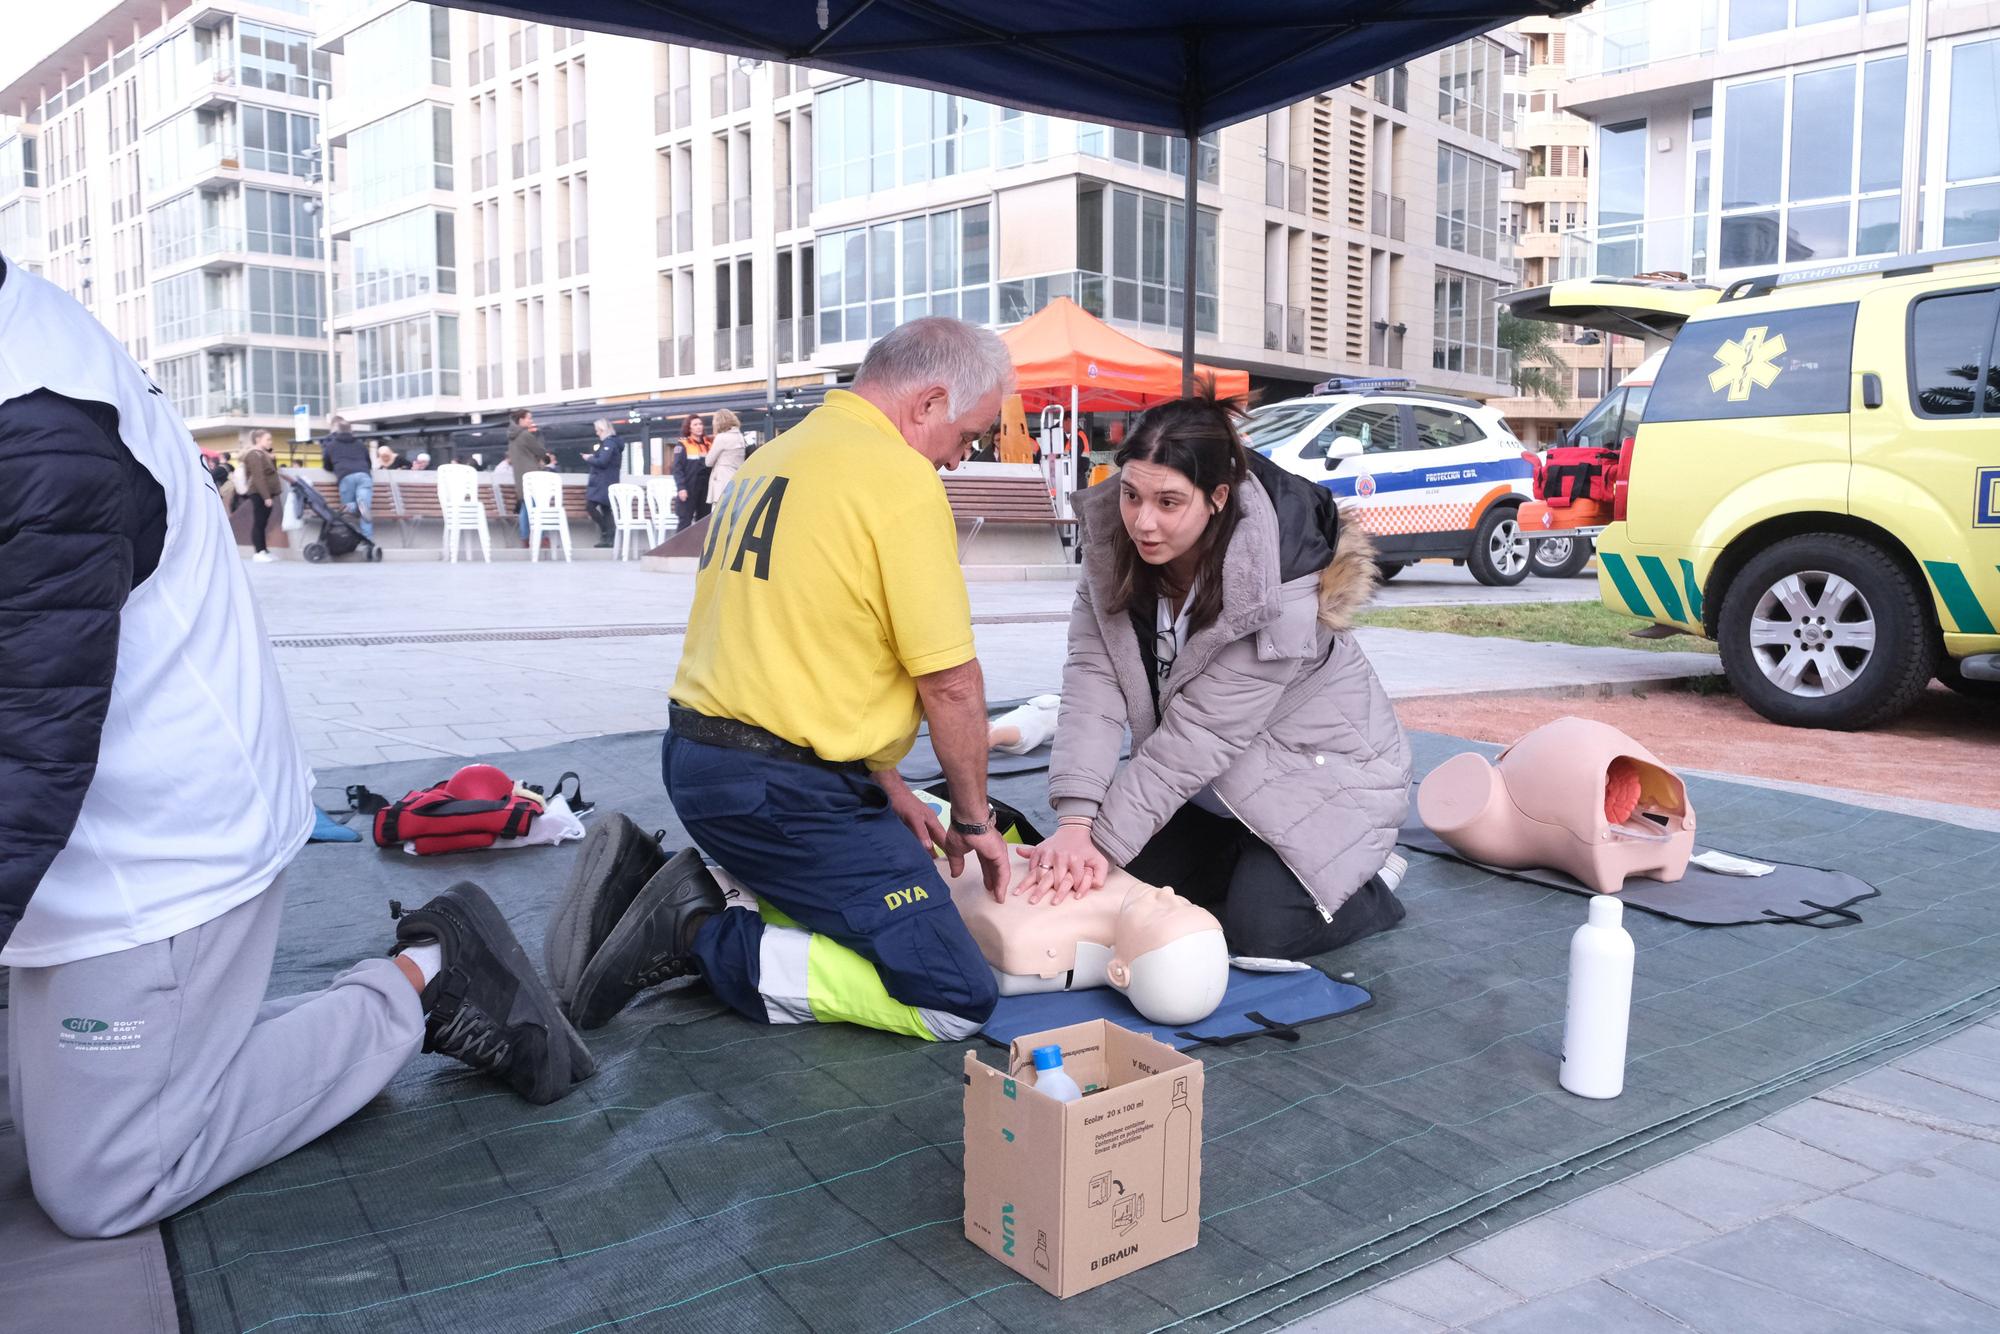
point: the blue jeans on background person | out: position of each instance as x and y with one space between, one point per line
357 492
524 517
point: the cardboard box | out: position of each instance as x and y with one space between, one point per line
1074 1194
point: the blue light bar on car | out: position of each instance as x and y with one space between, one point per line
1357 384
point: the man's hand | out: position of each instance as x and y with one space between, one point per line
683 495
991 849
916 815
1067 865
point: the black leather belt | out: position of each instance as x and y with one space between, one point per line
692 726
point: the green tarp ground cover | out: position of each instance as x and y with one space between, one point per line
721 1175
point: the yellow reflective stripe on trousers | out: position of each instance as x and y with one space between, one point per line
804 977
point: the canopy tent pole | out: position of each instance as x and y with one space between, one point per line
1190 128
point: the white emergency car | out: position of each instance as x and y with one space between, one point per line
1426 475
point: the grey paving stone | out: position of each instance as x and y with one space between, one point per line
1960 1069
1545 1255
1446 1292
1981 1156
1880 1142
1588 1308
1960 1259
1366 1315
1721 1194
1906 1089
1937 1191
1769 1152
1639 1220
1795 1257
1716 1303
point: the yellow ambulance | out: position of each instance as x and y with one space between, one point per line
1814 483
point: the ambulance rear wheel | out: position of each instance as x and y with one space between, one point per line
1499 556
1825 630
316 552
1952 679
1560 557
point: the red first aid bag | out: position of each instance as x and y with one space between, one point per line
471 809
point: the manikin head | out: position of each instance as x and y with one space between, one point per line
1168 956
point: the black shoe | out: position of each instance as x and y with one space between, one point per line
613 865
487 1006
605 543
651 943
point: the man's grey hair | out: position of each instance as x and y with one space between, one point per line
602 421
969 361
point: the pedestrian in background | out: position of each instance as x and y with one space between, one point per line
691 472
726 455
603 465
353 469
262 487
527 454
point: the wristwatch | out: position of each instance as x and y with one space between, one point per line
974 830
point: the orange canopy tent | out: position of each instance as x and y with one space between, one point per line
1063 348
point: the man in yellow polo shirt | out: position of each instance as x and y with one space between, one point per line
830 617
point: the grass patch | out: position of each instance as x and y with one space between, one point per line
1588 623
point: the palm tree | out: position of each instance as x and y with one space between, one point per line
1538 366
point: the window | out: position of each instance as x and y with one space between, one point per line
1468 192
1441 428
1466 328
189 305
876 277
286 301
277 222
1621 198
405 359
400 155
1970 211
1951 355
1469 88
1378 428
870 136
1829 186
1756 18
1700 146
183 227
283 378
411 254
1144 236
279 60
279 141
406 48
1167 152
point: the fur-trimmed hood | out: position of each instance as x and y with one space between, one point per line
1349 581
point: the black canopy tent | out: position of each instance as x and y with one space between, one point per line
1174 66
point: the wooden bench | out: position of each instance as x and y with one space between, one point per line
1001 494
508 497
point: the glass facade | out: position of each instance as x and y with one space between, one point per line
279 60
873 278
279 222
183 227
1466 336
1470 88
187 143
281 141
408 47
400 155
1829 185
1468 216
404 359
1756 18
1145 238
1162 152
1972 148
876 136
290 302
281 378
192 305
408 255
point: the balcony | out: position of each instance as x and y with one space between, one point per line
1284 186
219 403
675 234
1386 214
740 208
1620 250
686 350
745 340
1625 36
217 248
784 351
725 341
213 83
666 357
1284 327
1385 345
352 298
222 323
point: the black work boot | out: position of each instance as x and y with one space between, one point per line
615 862
652 942
487 1006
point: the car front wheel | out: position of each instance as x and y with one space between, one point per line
1825 630
1499 557
1560 557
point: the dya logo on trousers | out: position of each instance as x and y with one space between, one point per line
85 1025
896 898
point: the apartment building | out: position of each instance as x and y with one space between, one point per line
468 213
1732 137
1544 200
167 150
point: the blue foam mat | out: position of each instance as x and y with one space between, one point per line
1253 1005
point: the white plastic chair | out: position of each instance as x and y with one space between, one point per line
660 493
458 503
628 513
542 492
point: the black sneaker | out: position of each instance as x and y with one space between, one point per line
615 862
650 944
487 1006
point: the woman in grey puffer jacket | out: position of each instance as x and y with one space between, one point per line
1268 774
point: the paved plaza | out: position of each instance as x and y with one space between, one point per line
1874 1205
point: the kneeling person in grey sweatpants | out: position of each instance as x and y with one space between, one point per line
155 793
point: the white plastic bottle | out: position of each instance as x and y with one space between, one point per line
1051 1078
1600 1002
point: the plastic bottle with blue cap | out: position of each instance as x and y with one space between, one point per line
1051 1078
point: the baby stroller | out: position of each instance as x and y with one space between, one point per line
338 533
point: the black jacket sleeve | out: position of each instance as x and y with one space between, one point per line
81 525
